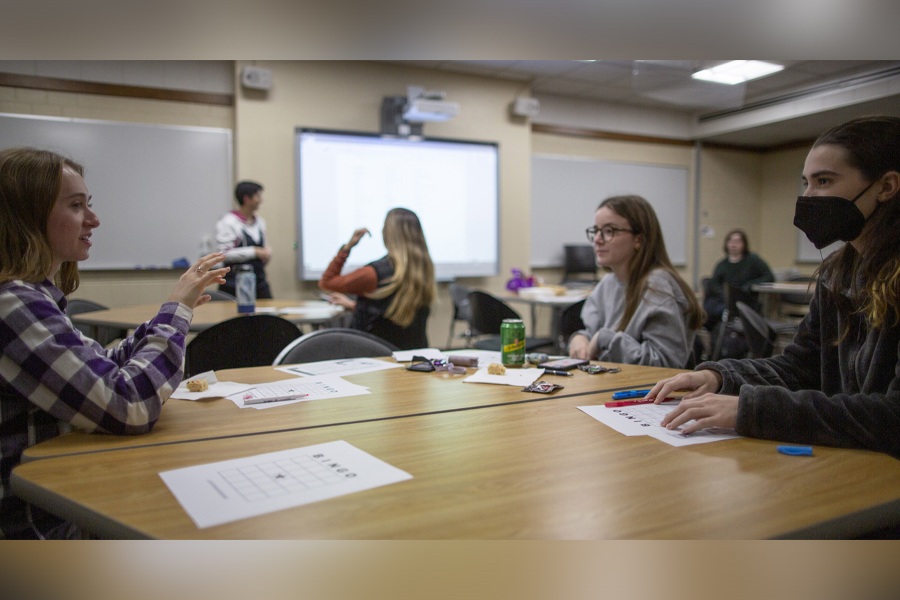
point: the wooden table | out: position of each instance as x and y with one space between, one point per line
394 393
130 317
541 470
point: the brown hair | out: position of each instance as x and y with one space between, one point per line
743 235
413 279
30 181
870 276
649 256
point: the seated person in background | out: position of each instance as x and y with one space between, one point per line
838 383
740 268
642 313
394 292
52 377
241 237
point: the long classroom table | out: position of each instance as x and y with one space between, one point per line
533 468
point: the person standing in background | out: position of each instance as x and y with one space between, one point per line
241 237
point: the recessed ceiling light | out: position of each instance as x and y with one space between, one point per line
737 71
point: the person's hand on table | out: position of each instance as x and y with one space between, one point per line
354 239
341 300
580 347
701 404
190 286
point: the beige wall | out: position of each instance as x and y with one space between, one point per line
348 95
117 288
779 188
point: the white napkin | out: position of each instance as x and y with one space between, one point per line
216 388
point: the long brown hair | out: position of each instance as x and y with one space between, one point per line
649 256
413 279
868 281
30 181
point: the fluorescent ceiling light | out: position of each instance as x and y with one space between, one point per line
737 71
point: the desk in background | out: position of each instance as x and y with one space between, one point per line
556 303
535 470
130 317
772 294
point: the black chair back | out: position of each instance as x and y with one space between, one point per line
220 296
570 322
760 335
459 293
103 335
486 315
245 341
332 344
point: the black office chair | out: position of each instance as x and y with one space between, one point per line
760 335
729 340
569 322
220 296
103 335
332 344
486 314
245 341
460 295
580 261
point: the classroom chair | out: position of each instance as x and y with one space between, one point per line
486 314
759 334
103 335
460 295
569 322
333 344
580 262
244 341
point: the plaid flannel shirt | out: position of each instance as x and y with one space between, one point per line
52 377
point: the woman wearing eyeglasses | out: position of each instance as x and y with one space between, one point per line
643 312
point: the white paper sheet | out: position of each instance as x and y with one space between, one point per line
315 388
231 490
344 366
216 388
516 377
407 355
644 419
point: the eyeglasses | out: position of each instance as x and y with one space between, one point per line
607 233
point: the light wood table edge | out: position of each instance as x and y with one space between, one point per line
849 526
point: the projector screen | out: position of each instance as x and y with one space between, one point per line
350 180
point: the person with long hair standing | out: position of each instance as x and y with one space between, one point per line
51 376
642 312
838 383
394 293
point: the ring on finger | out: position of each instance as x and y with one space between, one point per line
200 271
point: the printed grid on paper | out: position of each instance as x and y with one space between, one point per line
279 478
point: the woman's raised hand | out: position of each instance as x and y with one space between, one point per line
354 239
190 286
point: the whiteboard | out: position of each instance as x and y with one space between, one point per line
158 190
566 190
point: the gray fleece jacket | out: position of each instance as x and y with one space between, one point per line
658 334
819 392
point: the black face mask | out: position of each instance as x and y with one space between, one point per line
827 219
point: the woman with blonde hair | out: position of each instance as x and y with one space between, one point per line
643 312
51 376
394 292
838 382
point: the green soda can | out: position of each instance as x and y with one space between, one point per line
512 343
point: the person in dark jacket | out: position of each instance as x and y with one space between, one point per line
740 269
838 383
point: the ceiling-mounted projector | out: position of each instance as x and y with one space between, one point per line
427 106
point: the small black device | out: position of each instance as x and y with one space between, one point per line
564 364
420 363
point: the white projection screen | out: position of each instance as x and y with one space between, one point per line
348 180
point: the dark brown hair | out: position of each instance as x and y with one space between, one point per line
743 235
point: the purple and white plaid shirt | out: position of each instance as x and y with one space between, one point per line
52 377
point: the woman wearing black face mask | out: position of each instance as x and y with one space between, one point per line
838 383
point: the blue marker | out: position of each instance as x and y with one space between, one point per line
630 394
795 450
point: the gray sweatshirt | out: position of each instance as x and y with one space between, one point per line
658 334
